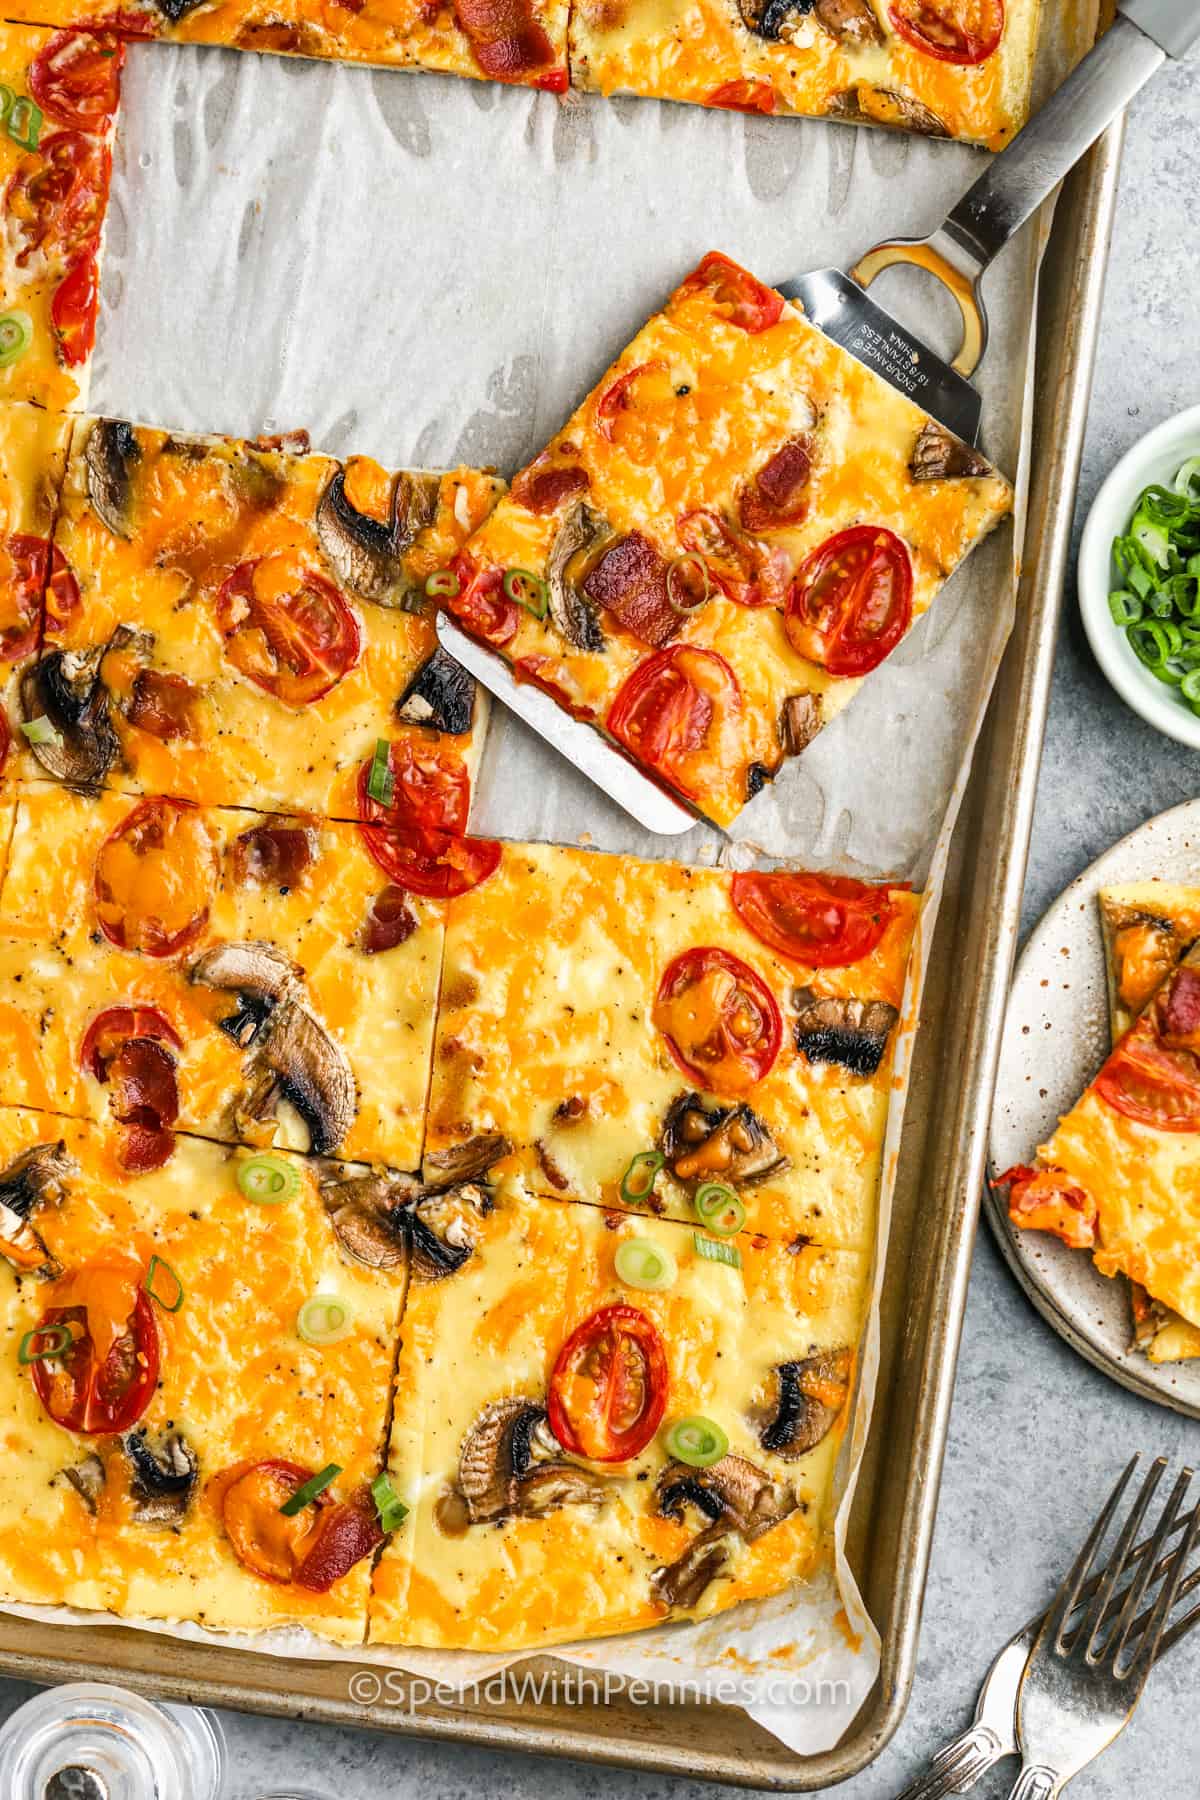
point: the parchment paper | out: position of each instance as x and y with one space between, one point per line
430 270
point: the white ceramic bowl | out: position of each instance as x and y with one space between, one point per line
1157 458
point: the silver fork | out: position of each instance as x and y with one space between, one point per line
992 1735
1085 1676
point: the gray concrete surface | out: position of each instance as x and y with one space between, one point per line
1037 1435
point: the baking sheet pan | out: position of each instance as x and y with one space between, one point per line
941 1167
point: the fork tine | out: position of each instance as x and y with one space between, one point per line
1177 1632
1067 1597
1147 1644
1092 1625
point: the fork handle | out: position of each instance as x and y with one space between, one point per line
958 1766
1037 1781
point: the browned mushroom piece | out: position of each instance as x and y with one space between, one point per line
867 105
582 533
367 555
735 1499
87 1478
110 456
799 722
511 1465
1145 948
854 23
38 1178
681 1584
440 696
164 1476
64 698
940 456
724 1143
468 1161
381 1219
812 1396
836 1029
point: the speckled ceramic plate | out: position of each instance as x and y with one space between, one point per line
1055 1038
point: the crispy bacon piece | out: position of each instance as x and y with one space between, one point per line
1177 1011
1043 1200
544 489
145 1098
777 495
390 921
164 705
351 1531
630 581
275 856
506 39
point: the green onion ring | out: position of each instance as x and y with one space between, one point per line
718 1207
304 1496
674 572
443 584
696 1441
528 590
16 335
646 1266
176 1301
637 1183
268 1179
61 1336
324 1320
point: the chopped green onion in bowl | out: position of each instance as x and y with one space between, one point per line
1157 604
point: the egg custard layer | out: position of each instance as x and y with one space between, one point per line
735 527
545 1411
33 452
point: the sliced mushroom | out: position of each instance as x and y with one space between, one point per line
164 1477
580 535
731 1143
87 1478
812 1397
680 1584
758 776
365 1211
469 1161
834 1029
110 455
867 105
734 1493
259 974
799 722
63 689
440 1228
173 11
772 19
511 1465
852 22
367 554
440 696
940 456
37 1178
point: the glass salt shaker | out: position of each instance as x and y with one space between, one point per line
89 1741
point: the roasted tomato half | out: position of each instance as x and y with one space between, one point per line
73 310
1044 1200
133 1050
737 295
481 604
824 921
104 1381
1151 1083
438 863
955 31
22 578
76 79
287 629
675 714
155 878
744 96
268 1542
608 1391
851 602
57 196
720 1020
431 788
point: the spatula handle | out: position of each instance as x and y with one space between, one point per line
1014 185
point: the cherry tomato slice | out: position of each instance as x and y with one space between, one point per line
1044 1200
823 921
955 31
431 788
57 196
720 1020
1150 1084
438 863
851 602
76 79
620 396
287 629
62 597
744 96
266 1541
114 1027
349 1531
545 484
155 878
738 295
104 1382
674 714
73 311
609 1388
22 578
482 605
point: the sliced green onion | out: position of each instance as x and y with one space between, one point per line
41 731
1126 608
640 1263
60 1338
304 1496
1152 537
676 572
697 1441
381 783
24 122
1187 482
268 1179
324 1320
637 1183
718 1207
443 584
713 1251
528 590
16 335
388 1504
1189 687
173 1299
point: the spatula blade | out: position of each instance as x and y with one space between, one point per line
843 310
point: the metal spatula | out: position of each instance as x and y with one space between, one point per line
1009 191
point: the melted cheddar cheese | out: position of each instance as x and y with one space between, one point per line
546 1034
700 50
197 511
58 971
33 449
493 1330
680 424
235 1379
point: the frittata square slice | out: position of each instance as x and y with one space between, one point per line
948 68
241 629
223 1352
58 104
249 978
521 41
737 525
33 454
647 1034
583 1456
